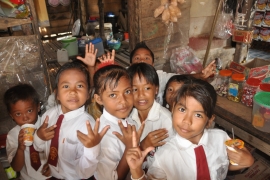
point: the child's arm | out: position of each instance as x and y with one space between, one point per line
206 72
154 139
17 162
242 157
126 138
135 158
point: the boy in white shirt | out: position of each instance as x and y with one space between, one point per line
23 105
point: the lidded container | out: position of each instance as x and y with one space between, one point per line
222 81
235 87
264 87
249 90
98 44
71 45
261 111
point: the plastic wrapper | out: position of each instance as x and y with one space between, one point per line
183 61
20 62
14 8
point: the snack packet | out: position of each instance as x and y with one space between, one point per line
234 143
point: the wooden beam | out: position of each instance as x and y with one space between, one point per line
10 22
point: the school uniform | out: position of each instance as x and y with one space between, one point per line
27 172
163 79
158 118
112 148
177 160
74 160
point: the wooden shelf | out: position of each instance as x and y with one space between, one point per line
9 22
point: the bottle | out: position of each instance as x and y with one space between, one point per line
249 90
235 87
222 81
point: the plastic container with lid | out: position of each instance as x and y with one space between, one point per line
71 45
249 90
222 81
235 87
261 111
264 87
98 44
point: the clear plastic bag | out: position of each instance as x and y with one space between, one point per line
183 61
223 29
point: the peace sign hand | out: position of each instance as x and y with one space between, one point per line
93 137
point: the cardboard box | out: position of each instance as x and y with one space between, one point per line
258 68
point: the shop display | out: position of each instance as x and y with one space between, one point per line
261 111
235 87
221 82
249 90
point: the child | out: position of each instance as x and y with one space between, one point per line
195 152
23 105
75 156
114 92
172 86
158 121
142 53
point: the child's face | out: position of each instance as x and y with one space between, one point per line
144 93
72 90
118 101
170 92
24 112
142 55
189 119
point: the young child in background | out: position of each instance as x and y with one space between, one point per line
113 91
195 152
158 121
23 105
172 86
66 137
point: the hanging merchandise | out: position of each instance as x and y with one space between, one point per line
169 10
65 2
223 29
54 3
76 27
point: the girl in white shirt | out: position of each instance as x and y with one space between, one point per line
192 115
113 91
23 105
158 121
78 144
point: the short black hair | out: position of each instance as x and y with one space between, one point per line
202 91
141 45
145 70
108 75
20 92
180 78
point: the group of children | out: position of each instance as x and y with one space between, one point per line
134 134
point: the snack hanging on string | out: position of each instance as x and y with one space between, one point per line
166 15
164 2
158 11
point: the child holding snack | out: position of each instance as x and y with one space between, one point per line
23 105
66 136
113 91
195 152
158 121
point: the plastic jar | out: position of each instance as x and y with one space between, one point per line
235 87
249 90
71 45
264 87
222 81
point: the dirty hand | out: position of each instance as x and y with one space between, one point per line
44 132
93 138
90 55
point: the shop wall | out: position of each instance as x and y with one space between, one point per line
109 6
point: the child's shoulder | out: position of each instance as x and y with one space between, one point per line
217 133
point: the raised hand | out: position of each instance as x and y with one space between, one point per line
109 58
126 138
21 145
44 132
242 157
90 55
46 171
135 157
154 139
93 138
209 70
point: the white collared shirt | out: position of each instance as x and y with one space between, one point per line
158 118
176 159
74 160
112 148
163 79
27 172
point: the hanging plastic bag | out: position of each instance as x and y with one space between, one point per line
183 61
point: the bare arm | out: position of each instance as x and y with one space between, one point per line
18 160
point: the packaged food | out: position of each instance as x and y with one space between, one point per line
256 33
235 87
234 143
261 4
265 34
258 17
266 20
222 81
249 90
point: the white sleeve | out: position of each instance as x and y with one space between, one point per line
155 172
11 146
39 144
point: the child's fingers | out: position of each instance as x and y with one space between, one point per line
81 136
146 151
113 54
45 123
104 131
134 139
96 127
118 135
89 128
141 129
120 124
86 48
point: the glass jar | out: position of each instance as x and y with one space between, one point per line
235 87
222 81
249 90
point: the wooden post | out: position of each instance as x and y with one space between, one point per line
101 19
